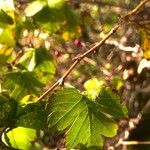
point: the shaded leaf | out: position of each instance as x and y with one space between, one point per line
5 18
109 103
7 110
22 83
84 120
33 116
20 138
58 15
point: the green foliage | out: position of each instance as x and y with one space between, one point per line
40 62
34 8
32 116
6 37
27 66
22 83
7 110
93 87
109 103
5 19
58 16
20 138
86 121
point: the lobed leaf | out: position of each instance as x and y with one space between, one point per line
109 102
84 120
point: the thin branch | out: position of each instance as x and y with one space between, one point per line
100 43
135 142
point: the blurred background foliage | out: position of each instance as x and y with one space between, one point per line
39 39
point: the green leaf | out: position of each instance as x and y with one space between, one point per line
22 83
93 87
55 3
58 15
32 116
5 53
34 8
45 65
7 37
5 19
39 61
86 123
28 60
7 110
20 138
109 103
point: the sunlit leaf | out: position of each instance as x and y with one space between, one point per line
55 3
85 121
20 138
145 41
41 62
34 8
93 87
28 59
5 53
7 37
7 5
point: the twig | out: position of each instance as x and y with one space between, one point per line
100 43
136 143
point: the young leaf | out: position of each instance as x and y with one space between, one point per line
20 138
7 110
86 123
33 116
34 8
93 87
